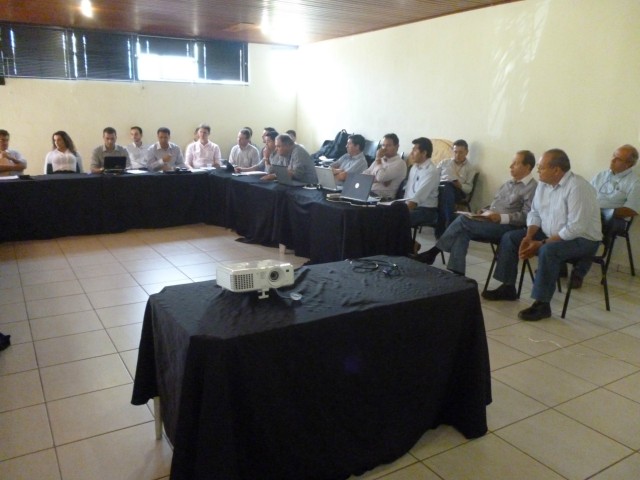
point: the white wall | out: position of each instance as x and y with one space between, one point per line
534 75
31 110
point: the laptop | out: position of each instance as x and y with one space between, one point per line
282 175
357 188
327 180
115 165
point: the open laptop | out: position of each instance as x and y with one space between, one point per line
282 175
115 165
327 180
357 188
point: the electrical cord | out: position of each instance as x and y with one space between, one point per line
366 265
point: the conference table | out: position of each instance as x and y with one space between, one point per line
374 354
52 206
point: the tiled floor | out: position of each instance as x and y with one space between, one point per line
566 392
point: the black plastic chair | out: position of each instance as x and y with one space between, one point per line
624 233
466 201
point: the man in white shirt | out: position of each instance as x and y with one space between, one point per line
137 150
203 152
244 154
11 162
164 155
388 168
107 149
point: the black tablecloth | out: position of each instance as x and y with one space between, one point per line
346 379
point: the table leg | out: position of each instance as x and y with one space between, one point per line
158 417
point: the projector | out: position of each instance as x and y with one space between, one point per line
258 276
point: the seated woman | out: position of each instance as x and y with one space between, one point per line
63 158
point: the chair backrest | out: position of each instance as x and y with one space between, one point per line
466 201
370 148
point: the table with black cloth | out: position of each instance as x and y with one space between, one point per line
345 379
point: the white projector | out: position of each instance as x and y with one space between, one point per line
260 276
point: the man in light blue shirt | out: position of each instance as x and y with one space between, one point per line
351 162
564 223
164 155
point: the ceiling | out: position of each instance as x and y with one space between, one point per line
291 22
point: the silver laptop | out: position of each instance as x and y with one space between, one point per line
115 164
282 175
357 188
327 180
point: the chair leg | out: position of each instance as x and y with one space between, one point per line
493 265
567 295
415 234
525 265
442 255
633 270
606 286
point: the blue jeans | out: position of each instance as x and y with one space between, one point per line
423 215
457 236
448 195
550 258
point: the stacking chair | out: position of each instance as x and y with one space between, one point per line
625 234
466 201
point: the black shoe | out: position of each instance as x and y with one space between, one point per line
535 312
429 256
576 282
503 292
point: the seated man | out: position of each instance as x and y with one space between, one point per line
296 158
388 168
508 211
137 150
11 162
456 178
618 189
164 155
244 155
268 152
202 152
351 162
564 223
107 149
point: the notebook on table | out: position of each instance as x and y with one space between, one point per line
115 164
327 180
282 175
357 189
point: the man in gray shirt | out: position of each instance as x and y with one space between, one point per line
564 223
296 158
351 162
107 149
507 212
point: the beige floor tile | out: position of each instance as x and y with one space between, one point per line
204 279
528 338
31 249
58 306
109 282
509 406
83 376
436 441
628 387
383 470
201 270
20 390
13 312
54 351
52 290
566 446
19 331
494 320
189 259
47 276
57 262
83 416
122 314
574 327
10 281
633 330
119 296
90 271
618 345
146 264
626 469
148 277
129 255
488 458
588 364
613 320
417 471
130 453
157 287
130 359
67 324
41 465
126 337
501 355
608 413
18 358
93 258
8 268
11 295
543 382
23 431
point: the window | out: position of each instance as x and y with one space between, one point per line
45 52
